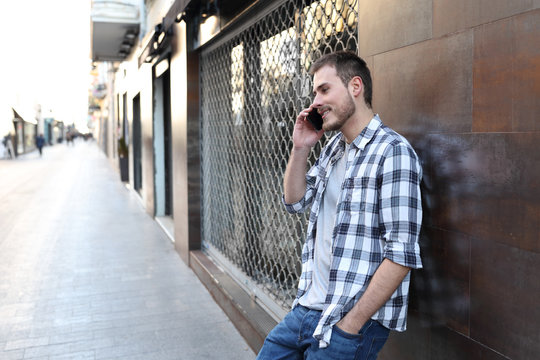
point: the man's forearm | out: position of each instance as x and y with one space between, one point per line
294 182
385 281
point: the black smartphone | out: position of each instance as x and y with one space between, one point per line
315 119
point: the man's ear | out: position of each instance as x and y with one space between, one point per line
357 86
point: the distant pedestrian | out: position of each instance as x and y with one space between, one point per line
69 138
9 151
40 142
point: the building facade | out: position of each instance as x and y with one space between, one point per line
204 94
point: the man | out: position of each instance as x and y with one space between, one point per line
40 142
362 235
9 146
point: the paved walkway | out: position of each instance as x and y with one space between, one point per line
85 273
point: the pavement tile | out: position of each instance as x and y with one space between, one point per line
24 343
44 351
71 337
12 355
84 355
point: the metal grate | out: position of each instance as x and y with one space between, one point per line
253 87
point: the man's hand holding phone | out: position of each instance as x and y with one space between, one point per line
306 134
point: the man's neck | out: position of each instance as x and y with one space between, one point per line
357 123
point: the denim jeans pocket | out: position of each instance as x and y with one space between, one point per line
362 346
342 346
345 334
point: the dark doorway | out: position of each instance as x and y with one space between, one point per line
137 144
162 140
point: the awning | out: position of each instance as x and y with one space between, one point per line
26 117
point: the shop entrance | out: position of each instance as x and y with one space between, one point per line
137 144
163 146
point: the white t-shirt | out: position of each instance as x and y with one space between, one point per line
315 296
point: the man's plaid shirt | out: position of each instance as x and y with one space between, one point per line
379 215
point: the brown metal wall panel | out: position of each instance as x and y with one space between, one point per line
507 74
147 136
429 340
390 24
493 77
185 111
399 345
526 88
485 185
504 299
441 289
426 87
449 345
451 16
179 132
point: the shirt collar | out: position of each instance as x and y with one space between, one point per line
367 134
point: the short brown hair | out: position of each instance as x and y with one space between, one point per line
347 65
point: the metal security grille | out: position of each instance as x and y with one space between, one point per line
253 86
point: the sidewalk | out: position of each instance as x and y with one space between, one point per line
86 273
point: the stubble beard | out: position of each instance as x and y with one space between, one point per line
342 114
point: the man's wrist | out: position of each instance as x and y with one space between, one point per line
349 326
353 321
301 151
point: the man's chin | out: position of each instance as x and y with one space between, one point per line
331 126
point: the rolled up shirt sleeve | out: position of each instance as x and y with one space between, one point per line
400 211
296 207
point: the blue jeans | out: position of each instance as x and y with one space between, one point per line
293 338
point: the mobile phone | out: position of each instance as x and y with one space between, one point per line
315 119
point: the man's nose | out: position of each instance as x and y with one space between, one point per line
317 101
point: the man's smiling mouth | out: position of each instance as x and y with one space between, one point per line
324 112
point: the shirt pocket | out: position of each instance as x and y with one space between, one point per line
361 194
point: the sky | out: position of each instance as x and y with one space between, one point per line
45 59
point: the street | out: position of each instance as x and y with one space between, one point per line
86 273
